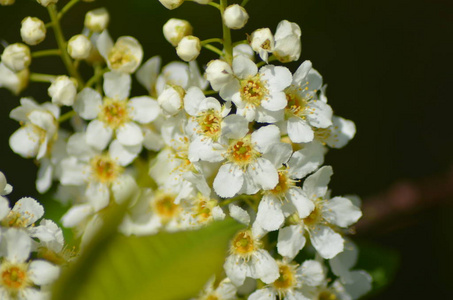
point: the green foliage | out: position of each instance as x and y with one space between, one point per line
162 266
380 262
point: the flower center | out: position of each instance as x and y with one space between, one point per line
120 55
315 216
15 219
14 276
244 245
209 122
322 134
114 112
283 185
287 279
242 152
253 90
105 169
164 205
296 104
326 295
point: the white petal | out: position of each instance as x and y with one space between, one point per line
275 101
25 141
278 78
88 103
44 178
236 271
73 172
263 173
98 194
303 205
78 147
360 284
130 134
263 294
98 134
290 241
234 127
301 73
344 261
311 273
244 67
124 155
76 214
42 272
104 44
270 215
341 212
306 160
18 245
228 181
29 209
143 109
192 100
263 115
327 242
265 137
315 185
342 132
148 72
239 214
4 207
266 267
299 131
278 153
320 114
117 85
124 188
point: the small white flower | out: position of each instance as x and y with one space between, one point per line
46 3
338 134
79 46
175 29
225 290
16 57
24 214
15 82
262 42
32 31
147 74
171 99
97 20
219 74
235 16
63 90
188 48
5 188
172 4
287 41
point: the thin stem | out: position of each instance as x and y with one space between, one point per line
98 72
207 93
213 49
226 34
38 77
228 201
66 116
66 8
244 3
216 5
49 52
62 44
213 40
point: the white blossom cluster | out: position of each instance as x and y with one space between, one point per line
239 138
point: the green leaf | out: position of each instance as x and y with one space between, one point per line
380 262
162 266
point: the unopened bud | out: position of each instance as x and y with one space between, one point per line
262 42
189 48
235 16
63 91
79 47
46 3
7 2
175 29
97 20
126 55
15 82
171 99
171 4
218 73
287 41
16 57
33 30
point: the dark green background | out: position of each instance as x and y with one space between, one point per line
388 67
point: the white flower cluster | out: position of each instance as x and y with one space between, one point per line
242 138
31 256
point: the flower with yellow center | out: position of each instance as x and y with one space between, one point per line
164 206
23 215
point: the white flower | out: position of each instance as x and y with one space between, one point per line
37 134
46 3
225 290
79 46
5 188
235 16
115 114
32 31
258 95
337 211
51 243
171 99
188 48
244 49
124 56
171 4
305 112
262 42
24 214
19 277
15 82
97 20
147 74
287 41
16 57
63 90
175 29
219 74
292 281
338 134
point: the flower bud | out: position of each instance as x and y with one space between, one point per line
235 16
46 3
175 29
171 4
287 41
33 31
171 99
79 46
97 20
15 82
262 42
16 57
7 2
63 91
189 48
218 73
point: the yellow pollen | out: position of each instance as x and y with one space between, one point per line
164 205
14 276
105 169
287 278
253 90
114 112
209 122
322 134
315 216
242 152
16 219
296 105
283 185
119 55
326 295
243 244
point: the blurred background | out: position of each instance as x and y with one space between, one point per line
388 68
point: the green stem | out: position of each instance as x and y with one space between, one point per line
213 40
46 53
244 3
62 44
66 116
37 77
216 5
228 46
98 72
228 201
213 49
207 93
66 8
